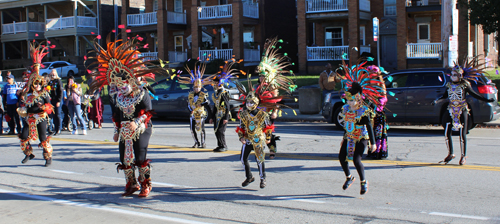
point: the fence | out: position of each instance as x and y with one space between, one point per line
420 50
327 53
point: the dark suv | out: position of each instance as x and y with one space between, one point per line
414 93
173 96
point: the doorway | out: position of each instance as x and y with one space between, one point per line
388 52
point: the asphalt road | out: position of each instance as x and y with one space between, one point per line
303 183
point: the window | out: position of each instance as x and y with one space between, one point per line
178 43
248 38
178 6
362 36
86 12
427 79
162 86
398 81
423 33
224 40
389 7
222 2
333 37
487 44
155 5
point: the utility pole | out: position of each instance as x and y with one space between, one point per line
449 35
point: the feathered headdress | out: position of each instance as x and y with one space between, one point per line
226 73
469 69
120 64
274 65
37 53
357 79
196 76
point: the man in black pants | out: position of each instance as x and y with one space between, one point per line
220 114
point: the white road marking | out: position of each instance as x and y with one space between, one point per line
460 216
300 199
67 172
155 183
102 208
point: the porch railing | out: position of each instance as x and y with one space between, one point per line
313 6
327 53
224 54
177 56
149 56
142 19
176 17
69 22
251 10
215 12
420 50
20 27
251 54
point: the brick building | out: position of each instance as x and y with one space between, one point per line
177 30
409 34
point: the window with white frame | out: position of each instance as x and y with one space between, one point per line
423 33
178 6
389 7
333 36
155 5
362 35
178 43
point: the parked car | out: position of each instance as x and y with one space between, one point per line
63 68
173 96
414 93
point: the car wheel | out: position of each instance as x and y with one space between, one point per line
338 119
71 73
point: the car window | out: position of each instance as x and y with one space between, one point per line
163 85
398 81
427 79
46 64
182 86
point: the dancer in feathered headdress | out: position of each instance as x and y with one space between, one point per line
37 107
458 88
121 67
255 129
380 126
359 85
198 102
272 70
221 113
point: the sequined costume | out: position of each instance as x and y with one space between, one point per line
359 85
121 67
198 103
36 108
458 108
272 70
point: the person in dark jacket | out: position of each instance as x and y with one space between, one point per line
220 113
56 97
11 102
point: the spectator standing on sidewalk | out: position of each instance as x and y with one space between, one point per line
327 80
11 102
56 97
95 112
74 102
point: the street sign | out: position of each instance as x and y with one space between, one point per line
375 29
453 43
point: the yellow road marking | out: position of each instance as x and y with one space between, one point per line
304 157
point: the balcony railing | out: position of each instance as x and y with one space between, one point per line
69 22
149 56
313 6
177 56
224 54
327 53
251 54
20 27
142 19
417 51
251 10
176 17
410 3
215 12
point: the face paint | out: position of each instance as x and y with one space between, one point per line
197 89
125 89
352 104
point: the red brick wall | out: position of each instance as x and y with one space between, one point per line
302 36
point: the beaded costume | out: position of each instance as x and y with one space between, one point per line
198 103
120 67
36 109
458 108
358 85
